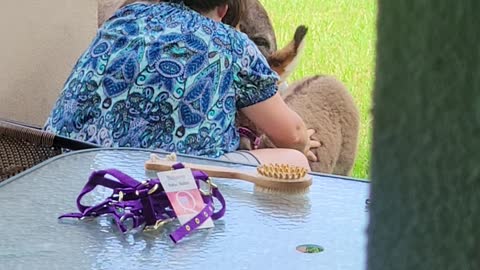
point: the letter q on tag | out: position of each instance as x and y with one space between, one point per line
183 194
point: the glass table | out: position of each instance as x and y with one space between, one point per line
258 231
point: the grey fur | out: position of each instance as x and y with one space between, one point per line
325 105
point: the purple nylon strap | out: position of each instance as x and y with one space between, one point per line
249 134
144 202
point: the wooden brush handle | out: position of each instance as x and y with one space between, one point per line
213 171
283 185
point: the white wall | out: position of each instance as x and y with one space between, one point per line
40 41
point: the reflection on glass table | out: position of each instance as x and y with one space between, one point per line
258 231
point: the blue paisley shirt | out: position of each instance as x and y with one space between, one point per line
162 76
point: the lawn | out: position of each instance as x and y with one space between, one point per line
340 42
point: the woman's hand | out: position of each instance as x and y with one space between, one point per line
311 145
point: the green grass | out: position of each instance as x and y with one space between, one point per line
340 42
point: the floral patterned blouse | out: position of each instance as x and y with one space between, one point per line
162 76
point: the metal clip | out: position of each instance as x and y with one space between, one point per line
159 224
211 186
153 189
87 218
150 191
120 196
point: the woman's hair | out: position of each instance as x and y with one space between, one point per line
234 13
236 8
204 5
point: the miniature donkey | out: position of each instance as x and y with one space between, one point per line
323 102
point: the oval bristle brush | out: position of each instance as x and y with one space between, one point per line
268 177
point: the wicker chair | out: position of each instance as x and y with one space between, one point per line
24 146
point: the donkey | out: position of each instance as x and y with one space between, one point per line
322 101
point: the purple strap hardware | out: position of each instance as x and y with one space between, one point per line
249 134
145 202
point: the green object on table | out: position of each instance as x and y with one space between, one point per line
310 248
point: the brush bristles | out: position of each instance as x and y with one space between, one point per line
282 171
281 191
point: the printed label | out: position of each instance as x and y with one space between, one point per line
183 194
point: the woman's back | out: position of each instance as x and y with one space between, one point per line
162 76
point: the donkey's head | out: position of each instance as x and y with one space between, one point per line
258 27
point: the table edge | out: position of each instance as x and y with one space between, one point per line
61 156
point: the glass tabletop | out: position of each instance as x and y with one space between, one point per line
258 231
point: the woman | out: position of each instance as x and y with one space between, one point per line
171 76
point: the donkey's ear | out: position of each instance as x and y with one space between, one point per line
285 60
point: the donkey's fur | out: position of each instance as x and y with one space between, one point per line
324 104
322 101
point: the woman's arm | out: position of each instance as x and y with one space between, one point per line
258 98
282 125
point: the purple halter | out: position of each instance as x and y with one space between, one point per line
249 134
144 202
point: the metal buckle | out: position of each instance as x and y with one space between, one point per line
120 196
160 223
211 186
151 191
87 218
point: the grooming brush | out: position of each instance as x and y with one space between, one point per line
269 177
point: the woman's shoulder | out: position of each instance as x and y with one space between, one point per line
238 42
133 9
140 9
